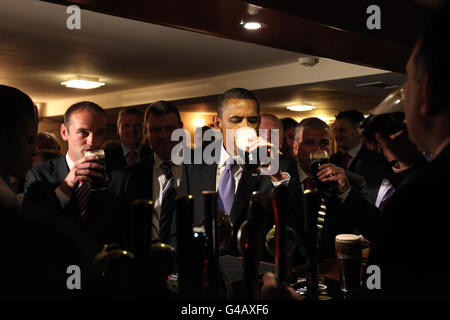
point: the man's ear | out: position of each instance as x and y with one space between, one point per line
427 107
64 132
217 121
295 147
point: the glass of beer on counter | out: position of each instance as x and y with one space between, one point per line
98 183
348 254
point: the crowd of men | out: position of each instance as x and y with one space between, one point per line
392 200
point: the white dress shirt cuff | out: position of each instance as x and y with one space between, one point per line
284 181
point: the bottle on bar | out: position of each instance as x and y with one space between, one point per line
212 275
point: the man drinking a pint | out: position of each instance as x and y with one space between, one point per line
67 182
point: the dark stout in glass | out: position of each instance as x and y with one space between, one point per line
98 183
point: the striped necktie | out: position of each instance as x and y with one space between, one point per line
82 198
168 203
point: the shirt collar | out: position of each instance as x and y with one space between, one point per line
127 150
353 152
158 162
224 156
302 174
69 161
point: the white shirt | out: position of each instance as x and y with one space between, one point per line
159 178
237 170
385 185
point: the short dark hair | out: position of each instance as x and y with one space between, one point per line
15 106
354 116
47 140
288 123
311 122
160 108
235 93
128 110
432 57
82 106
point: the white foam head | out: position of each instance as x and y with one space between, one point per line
243 134
347 238
99 153
319 154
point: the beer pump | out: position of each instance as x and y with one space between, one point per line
186 271
280 203
212 246
250 238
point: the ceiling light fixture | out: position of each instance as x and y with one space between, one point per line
301 107
251 25
80 82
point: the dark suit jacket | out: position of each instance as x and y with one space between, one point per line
105 209
368 164
202 177
340 217
412 235
114 159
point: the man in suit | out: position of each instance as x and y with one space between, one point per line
289 126
354 156
38 250
412 231
64 184
157 178
313 134
130 131
236 108
272 122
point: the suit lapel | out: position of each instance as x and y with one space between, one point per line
242 197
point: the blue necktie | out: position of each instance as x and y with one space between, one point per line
227 187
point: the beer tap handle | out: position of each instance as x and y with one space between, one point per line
184 224
280 201
251 239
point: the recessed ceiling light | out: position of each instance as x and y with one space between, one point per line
252 25
83 83
301 107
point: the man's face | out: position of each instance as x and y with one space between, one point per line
159 130
288 141
270 123
130 130
20 147
347 136
413 102
310 140
87 131
237 113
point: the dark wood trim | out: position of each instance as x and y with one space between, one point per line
285 27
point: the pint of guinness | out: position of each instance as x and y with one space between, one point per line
98 183
319 158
